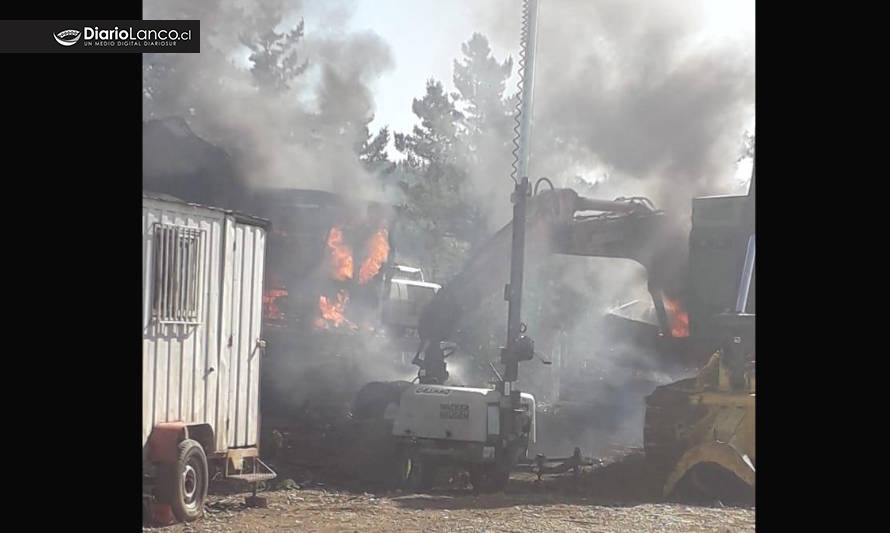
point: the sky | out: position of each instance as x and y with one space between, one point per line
425 38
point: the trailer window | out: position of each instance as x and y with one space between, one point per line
179 254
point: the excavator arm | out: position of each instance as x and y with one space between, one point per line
558 221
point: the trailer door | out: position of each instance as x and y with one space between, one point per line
242 319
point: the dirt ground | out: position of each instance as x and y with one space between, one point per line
604 499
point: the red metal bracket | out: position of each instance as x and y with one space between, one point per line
164 439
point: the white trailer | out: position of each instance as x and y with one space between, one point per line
202 288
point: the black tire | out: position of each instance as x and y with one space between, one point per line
428 477
372 399
411 472
183 484
488 478
707 482
373 454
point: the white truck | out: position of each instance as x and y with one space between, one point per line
406 293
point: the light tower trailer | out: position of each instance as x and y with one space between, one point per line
202 279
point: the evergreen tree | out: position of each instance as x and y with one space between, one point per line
481 81
373 149
433 173
274 59
373 156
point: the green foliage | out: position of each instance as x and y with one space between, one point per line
373 156
373 149
458 141
481 81
274 59
433 174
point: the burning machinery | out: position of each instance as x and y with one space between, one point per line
686 424
699 432
486 430
326 262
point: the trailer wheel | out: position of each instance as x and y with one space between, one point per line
183 483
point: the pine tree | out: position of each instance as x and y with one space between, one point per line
433 174
274 58
373 156
481 81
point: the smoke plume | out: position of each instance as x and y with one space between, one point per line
303 132
631 98
636 91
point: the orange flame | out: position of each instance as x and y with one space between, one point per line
378 251
332 311
270 308
341 255
677 317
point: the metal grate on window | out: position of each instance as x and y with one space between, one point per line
179 256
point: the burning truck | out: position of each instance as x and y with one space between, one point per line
326 259
328 278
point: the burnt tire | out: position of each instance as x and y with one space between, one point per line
372 399
183 484
373 454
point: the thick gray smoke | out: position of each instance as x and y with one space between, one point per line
641 98
303 135
282 131
634 91
625 89
635 97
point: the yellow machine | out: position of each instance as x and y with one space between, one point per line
701 429
700 432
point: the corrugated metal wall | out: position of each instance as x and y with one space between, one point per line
190 372
245 273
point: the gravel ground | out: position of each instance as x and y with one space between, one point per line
562 504
322 486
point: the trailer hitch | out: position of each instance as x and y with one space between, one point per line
558 465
